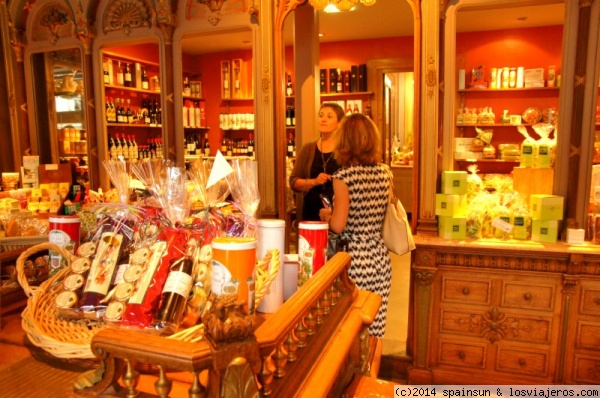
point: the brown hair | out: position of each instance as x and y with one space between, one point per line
337 108
357 141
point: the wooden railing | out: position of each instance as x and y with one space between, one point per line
312 346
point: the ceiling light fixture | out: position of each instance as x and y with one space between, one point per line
342 5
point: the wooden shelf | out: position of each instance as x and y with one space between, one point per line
494 125
486 161
131 89
191 97
495 91
352 94
137 125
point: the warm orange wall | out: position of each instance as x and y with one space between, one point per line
530 48
344 54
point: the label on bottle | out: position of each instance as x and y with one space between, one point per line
178 282
145 280
104 263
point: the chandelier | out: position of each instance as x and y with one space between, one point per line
342 5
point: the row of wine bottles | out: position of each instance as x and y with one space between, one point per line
125 75
229 147
149 112
127 148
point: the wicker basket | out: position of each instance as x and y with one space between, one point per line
70 339
21 242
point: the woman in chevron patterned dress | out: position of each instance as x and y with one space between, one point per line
361 191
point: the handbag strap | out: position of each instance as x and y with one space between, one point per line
393 197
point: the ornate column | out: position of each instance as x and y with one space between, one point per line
429 153
14 42
83 31
165 21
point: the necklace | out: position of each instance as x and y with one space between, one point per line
323 158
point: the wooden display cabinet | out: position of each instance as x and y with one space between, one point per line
505 312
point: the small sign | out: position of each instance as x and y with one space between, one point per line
503 225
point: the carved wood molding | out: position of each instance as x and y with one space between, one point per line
126 15
503 261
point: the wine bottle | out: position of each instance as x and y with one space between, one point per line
289 88
106 75
175 293
128 113
290 146
145 81
127 76
101 272
120 75
224 146
288 115
125 147
187 90
206 145
251 145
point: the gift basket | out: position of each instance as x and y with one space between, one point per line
147 264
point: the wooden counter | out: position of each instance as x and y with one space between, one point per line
505 312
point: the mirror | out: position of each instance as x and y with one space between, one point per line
384 37
132 101
60 122
217 90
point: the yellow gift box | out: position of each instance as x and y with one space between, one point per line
545 231
546 207
450 205
454 182
452 227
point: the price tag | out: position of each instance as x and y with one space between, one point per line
501 224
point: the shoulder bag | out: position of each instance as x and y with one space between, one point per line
396 231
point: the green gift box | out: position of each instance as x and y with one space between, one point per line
521 227
546 207
545 231
450 205
452 227
454 182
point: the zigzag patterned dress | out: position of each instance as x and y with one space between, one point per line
369 187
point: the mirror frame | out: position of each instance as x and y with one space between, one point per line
284 8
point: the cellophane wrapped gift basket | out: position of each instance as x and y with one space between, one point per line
146 262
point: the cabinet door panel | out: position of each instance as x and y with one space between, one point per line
463 322
528 329
590 302
587 369
588 336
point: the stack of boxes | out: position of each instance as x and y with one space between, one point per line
451 205
546 212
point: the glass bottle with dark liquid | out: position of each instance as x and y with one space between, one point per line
176 291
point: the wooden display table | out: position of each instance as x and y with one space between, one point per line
313 346
505 312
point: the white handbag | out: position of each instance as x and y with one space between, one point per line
396 231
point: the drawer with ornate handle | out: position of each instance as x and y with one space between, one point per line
473 291
471 355
522 361
526 295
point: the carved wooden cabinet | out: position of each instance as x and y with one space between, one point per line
492 312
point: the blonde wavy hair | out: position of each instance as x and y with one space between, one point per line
357 141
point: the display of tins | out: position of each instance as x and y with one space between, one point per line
81 265
73 282
114 311
123 291
133 273
87 249
66 299
140 256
